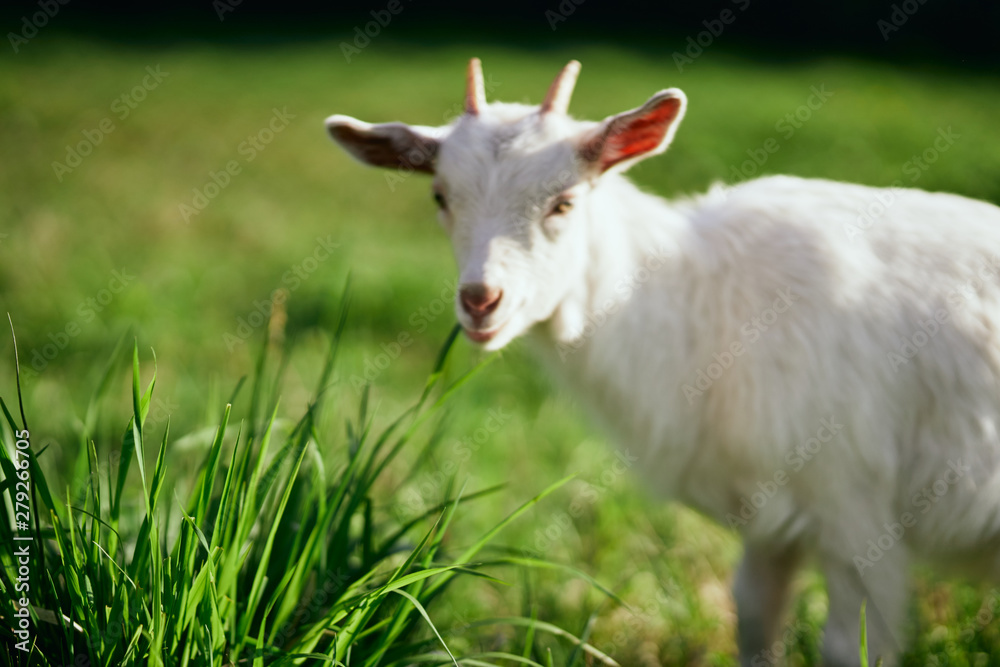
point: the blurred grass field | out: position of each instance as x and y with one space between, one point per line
298 215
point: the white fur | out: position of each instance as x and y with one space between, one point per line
635 298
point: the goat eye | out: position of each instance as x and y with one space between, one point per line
440 200
561 206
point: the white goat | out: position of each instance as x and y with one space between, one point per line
826 389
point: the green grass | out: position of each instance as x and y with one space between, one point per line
275 558
192 283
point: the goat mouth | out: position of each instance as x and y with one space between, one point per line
480 336
483 336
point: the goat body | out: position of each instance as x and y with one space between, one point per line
815 364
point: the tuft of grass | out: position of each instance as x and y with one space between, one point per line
271 558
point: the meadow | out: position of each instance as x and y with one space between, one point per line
186 196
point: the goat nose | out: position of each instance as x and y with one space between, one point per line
479 300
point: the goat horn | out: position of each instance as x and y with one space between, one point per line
561 89
475 90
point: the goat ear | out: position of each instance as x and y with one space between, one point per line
391 145
621 141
